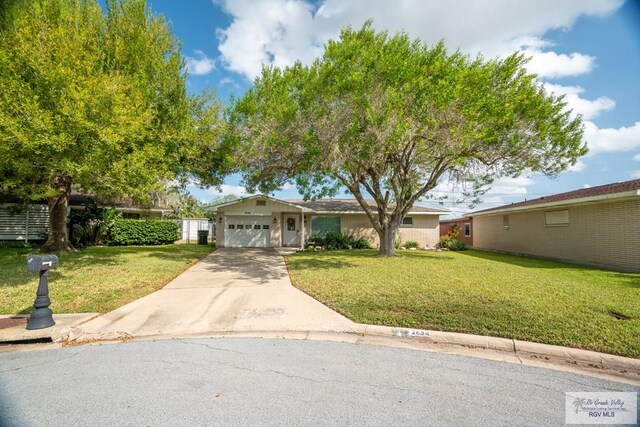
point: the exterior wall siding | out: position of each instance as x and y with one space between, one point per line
604 234
424 230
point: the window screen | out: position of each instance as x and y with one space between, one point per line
557 217
321 225
407 220
467 229
261 202
505 222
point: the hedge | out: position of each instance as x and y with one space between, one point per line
126 232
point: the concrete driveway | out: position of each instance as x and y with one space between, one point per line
231 290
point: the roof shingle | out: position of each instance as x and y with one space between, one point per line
616 187
348 205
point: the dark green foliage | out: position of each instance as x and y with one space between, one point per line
361 244
455 245
127 232
411 244
91 226
336 240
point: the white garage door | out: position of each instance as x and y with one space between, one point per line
247 232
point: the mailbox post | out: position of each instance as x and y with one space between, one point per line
42 316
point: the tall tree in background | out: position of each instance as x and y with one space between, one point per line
390 118
96 100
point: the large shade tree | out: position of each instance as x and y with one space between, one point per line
389 118
96 100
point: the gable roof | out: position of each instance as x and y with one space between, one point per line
259 196
329 205
615 190
352 206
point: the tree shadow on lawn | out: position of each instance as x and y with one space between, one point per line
169 253
341 259
626 279
84 258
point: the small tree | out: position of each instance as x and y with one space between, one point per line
96 101
390 118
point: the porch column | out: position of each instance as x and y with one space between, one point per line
302 227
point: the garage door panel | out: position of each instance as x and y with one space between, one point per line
248 231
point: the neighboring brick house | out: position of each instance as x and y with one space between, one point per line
465 229
262 221
598 226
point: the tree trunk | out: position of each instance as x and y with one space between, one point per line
388 241
58 237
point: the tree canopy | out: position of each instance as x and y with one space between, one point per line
388 118
96 100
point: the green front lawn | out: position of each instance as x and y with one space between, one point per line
97 279
479 293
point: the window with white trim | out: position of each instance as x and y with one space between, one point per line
407 220
467 229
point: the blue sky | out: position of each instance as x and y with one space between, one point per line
588 50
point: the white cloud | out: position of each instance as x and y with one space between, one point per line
279 32
227 189
636 157
611 139
201 64
588 108
288 186
510 186
554 65
586 186
635 174
578 167
503 191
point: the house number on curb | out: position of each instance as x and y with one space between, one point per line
412 333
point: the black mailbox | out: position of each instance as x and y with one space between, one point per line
42 316
37 263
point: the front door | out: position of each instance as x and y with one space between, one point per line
291 229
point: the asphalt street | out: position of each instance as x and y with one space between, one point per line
276 382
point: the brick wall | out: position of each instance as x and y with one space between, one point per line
445 227
605 234
424 229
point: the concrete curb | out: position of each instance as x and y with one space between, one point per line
494 348
520 348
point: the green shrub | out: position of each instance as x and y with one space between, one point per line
447 238
456 245
411 244
337 240
126 232
91 225
333 240
361 244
